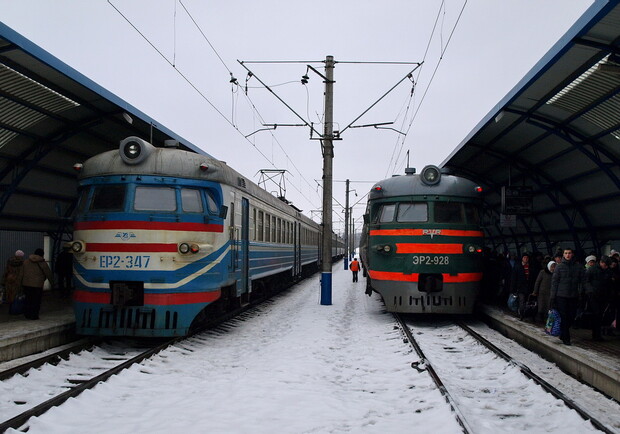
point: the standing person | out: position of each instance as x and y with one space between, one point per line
354 266
64 269
12 277
542 289
597 292
565 287
590 261
520 282
36 272
614 269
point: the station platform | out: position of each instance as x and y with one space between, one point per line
595 363
20 337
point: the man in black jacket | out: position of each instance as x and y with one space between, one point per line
566 283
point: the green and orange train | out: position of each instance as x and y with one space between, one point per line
421 245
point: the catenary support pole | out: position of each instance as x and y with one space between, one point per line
346 229
328 155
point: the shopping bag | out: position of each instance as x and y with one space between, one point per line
552 327
531 306
17 307
584 317
513 302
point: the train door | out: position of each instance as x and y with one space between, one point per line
296 250
244 285
233 238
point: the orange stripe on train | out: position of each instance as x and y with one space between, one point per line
413 277
429 248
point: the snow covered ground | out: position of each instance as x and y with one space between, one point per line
294 366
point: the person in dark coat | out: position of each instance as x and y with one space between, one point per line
520 282
542 289
566 282
64 270
36 272
597 289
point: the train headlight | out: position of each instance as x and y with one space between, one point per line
77 246
134 150
194 248
431 175
384 248
184 248
471 249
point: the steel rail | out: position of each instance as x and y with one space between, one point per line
538 380
424 364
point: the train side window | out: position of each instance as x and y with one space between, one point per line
260 226
473 216
386 214
449 212
190 200
83 201
412 212
108 198
211 203
267 227
155 199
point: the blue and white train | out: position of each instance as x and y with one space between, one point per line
164 238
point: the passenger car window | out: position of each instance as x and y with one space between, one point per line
412 212
190 200
108 198
155 199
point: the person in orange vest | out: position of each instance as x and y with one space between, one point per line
354 266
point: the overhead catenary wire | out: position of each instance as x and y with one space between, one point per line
443 51
202 95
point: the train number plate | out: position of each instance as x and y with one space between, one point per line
127 261
430 260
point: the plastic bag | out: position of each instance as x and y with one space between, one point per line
513 302
17 307
552 327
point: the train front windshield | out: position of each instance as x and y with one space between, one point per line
427 212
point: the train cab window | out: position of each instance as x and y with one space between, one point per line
386 213
472 214
190 200
155 199
449 212
412 212
108 198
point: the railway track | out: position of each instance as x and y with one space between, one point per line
73 372
84 365
480 381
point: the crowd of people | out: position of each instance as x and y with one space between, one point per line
24 278
585 292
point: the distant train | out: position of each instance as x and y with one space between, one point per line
164 238
421 245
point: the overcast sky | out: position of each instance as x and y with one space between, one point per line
173 60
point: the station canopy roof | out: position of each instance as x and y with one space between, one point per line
552 146
52 117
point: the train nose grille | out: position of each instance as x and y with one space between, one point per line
127 318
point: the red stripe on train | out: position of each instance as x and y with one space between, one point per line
430 232
131 247
82 296
153 226
428 248
401 277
